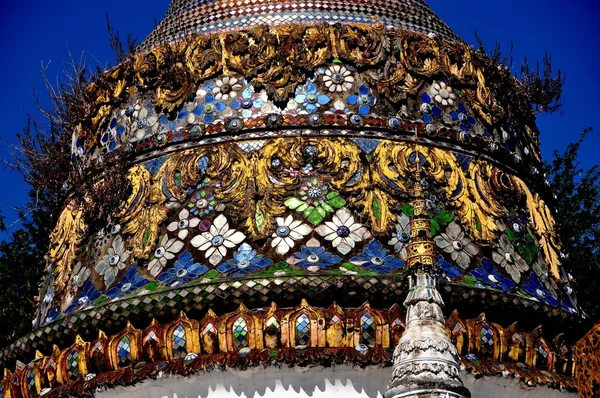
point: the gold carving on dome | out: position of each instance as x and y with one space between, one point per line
203 56
362 44
65 241
544 224
251 50
178 84
143 212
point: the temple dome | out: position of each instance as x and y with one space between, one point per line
270 158
200 16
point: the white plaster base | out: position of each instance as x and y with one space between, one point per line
337 382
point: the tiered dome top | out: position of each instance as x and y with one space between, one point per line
272 164
204 16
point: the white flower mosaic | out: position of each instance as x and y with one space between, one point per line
165 251
343 231
442 93
287 233
217 240
338 78
113 261
184 224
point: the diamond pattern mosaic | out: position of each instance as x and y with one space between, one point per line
272 322
179 339
124 351
73 365
240 333
200 16
367 325
31 381
302 330
487 340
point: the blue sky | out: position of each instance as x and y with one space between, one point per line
39 31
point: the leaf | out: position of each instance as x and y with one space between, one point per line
302 207
525 252
307 212
321 211
315 217
213 273
151 286
327 208
408 209
335 200
100 300
509 234
259 219
332 194
478 225
146 236
443 217
293 203
377 208
435 227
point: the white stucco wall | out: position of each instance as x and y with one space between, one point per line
338 382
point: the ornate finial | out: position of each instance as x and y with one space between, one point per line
425 360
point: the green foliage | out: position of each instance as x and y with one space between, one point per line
577 194
21 268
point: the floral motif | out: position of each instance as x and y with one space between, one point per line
114 261
87 296
442 93
208 108
132 281
184 270
310 98
80 275
245 260
454 242
462 116
364 100
534 287
226 88
314 257
251 102
202 202
338 78
165 251
489 275
376 258
217 240
402 235
315 200
288 231
541 270
509 259
343 231
184 224
448 269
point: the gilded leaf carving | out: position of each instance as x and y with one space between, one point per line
65 242
143 212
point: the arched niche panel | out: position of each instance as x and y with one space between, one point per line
272 327
180 338
72 363
303 325
125 348
151 342
209 333
335 324
98 359
457 331
369 327
240 329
